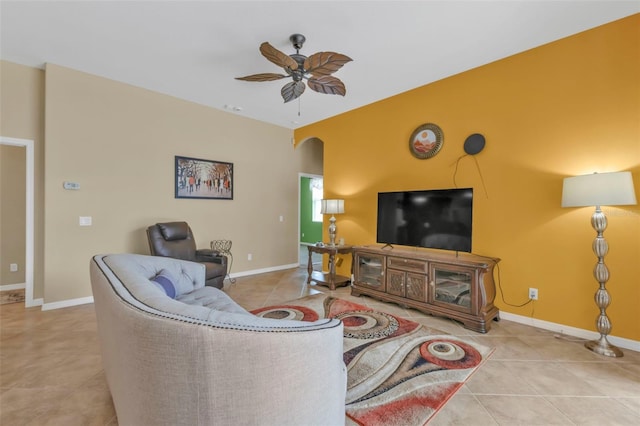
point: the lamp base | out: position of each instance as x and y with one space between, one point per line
602 346
332 231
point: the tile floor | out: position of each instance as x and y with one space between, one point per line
303 256
51 374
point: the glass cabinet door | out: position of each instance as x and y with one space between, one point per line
451 286
370 271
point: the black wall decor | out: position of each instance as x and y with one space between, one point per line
474 144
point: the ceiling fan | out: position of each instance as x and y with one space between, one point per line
316 69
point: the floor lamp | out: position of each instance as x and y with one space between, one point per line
332 207
600 189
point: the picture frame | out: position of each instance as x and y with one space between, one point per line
426 141
203 179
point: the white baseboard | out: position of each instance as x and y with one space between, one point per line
67 303
262 271
7 287
35 302
571 331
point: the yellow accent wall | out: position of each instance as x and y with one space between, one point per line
566 108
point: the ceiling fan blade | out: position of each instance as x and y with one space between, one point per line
325 63
293 90
262 77
277 57
327 84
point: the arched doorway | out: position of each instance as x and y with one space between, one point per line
310 183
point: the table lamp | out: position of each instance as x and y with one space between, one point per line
332 207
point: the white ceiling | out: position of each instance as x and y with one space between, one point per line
193 49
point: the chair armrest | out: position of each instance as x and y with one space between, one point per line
208 255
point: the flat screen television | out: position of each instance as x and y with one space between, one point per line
439 218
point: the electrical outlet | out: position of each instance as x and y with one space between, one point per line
13 267
249 256
533 293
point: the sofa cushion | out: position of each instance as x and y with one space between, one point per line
211 298
166 282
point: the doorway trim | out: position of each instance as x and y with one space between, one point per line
300 176
30 220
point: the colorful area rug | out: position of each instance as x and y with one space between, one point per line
399 372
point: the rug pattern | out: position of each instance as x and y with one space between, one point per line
399 372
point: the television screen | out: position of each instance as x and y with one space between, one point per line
438 218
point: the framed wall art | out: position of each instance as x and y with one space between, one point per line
197 178
426 141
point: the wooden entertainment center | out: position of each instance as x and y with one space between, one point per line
455 285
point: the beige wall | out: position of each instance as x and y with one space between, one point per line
22 116
12 213
118 142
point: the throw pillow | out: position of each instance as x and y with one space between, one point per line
166 282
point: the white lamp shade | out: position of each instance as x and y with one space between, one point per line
599 189
331 206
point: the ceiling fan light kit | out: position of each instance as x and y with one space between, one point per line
315 69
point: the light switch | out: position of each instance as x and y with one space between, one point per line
281 218
71 185
85 221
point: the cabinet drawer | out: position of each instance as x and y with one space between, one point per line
415 265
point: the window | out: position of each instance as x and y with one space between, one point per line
316 186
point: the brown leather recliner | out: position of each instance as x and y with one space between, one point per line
175 239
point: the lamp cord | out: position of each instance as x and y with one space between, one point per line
502 294
497 265
479 172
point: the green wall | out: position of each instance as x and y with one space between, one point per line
310 232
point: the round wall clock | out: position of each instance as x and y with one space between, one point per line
426 141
